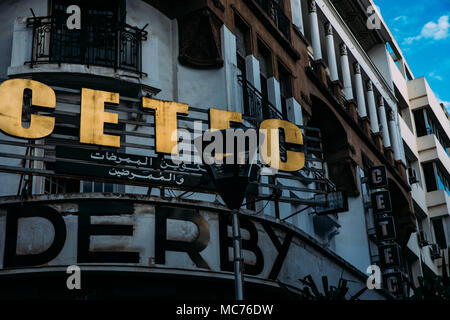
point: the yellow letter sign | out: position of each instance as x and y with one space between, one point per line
166 122
11 104
94 117
270 150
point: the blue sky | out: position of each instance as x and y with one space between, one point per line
422 30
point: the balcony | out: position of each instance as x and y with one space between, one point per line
118 47
430 149
421 96
275 12
100 55
438 203
256 108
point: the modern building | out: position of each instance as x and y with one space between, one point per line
97 190
425 132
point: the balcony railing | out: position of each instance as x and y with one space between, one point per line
116 46
274 11
256 108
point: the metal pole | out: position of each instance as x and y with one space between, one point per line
238 260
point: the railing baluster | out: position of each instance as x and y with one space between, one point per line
256 107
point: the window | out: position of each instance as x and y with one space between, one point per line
58 185
285 89
94 186
421 126
430 178
443 182
96 42
265 68
274 9
242 44
439 233
426 124
435 177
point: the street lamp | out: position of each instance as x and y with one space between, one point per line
230 176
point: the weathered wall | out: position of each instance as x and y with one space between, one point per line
161 235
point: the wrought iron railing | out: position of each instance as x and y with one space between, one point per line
275 12
117 46
256 107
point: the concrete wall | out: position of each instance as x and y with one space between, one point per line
380 57
438 203
352 242
431 149
398 79
9 11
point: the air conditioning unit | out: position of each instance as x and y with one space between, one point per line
422 239
412 175
435 251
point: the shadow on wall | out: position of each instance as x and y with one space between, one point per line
337 151
402 213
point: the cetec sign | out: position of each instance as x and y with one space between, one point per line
93 118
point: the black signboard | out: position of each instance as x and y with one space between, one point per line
393 282
389 256
385 228
336 202
125 168
381 202
378 177
111 158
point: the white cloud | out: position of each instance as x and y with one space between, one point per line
431 30
401 18
435 76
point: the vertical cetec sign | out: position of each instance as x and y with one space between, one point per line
388 250
378 178
385 229
381 202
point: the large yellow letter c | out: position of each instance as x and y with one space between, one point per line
11 104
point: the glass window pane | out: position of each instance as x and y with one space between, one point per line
87 186
430 179
240 41
109 187
439 233
98 187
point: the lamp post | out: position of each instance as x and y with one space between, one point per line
231 177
